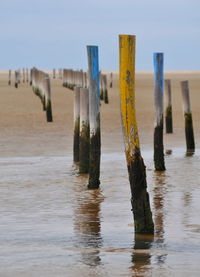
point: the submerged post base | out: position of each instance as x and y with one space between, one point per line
143 221
95 155
159 161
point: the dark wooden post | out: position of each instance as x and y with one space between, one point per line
84 139
16 78
143 221
111 80
168 110
9 77
76 123
47 98
94 117
159 162
189 134
101 85
105 89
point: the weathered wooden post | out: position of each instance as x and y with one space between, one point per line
94 117
9 77
54 73
31 76
111 80
76 123
189 134
23 75
27 75
47 98
159 162
84 139
168 109
16 78
101 85
137 173
105 89
85 80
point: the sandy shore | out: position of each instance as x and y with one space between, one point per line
25 132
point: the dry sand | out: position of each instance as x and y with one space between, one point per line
25 132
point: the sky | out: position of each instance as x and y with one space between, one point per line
54 33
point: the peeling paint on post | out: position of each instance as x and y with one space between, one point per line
189 134
76 123
168 110
159 162
137 173
84 139
94 117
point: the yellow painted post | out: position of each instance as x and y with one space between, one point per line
137 173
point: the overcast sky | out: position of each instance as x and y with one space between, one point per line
54 33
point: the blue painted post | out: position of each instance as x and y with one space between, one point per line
94 117
159 162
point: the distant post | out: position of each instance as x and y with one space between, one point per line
137 173
168 111
9 77
94 116
54 73
159 162
27 75
189 134
101 85
16 78
111 80
23 74
105 89
47 99
84 139
76 123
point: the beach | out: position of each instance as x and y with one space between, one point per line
51 225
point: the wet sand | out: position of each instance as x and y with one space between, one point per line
52 226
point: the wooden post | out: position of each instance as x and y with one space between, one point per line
105 89
31 76
16 78
168 109
94 117
9 77
111 80
27 76
101 85
76 123
159 162
54 73
23 75
85 80
189 134
137 173
47 98
84 139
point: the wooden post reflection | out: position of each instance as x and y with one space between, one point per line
141 256
87 226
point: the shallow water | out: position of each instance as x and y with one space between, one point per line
51 225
